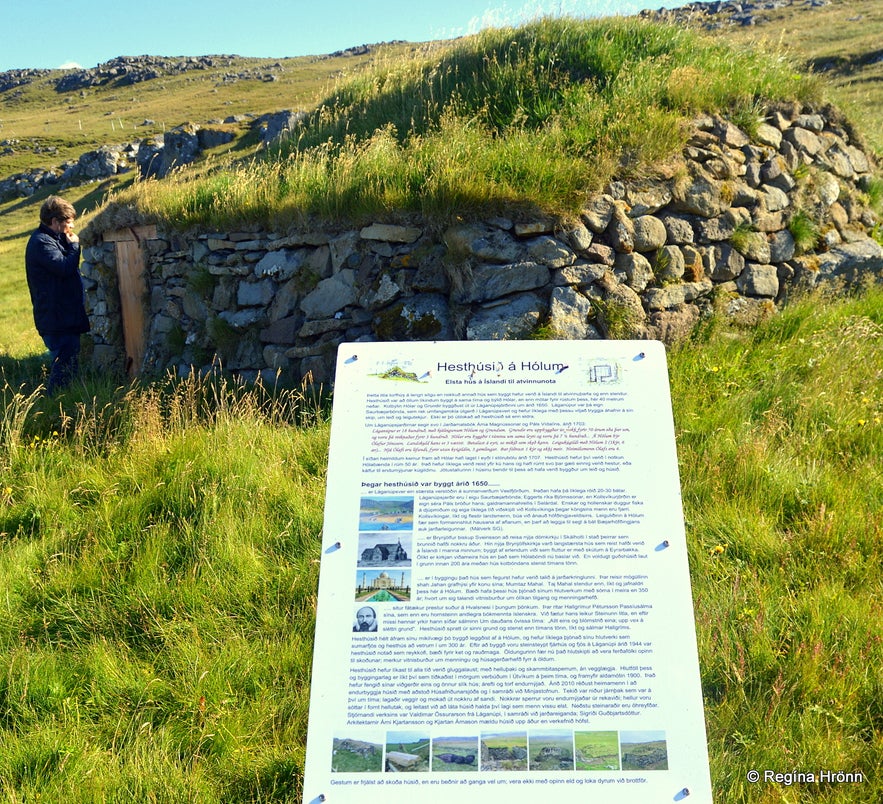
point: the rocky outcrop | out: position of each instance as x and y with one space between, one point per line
744 218
109 160
714 14
11 79
275 126
154 156
127 70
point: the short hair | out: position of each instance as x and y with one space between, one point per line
56 207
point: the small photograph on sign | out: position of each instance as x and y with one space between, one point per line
400 372
551 750
407 752
596 750
355 754
455 754
643 750
379 550
365 621
504 751
386 513
380 586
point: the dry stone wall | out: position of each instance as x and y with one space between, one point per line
735 226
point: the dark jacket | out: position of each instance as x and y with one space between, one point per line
52 266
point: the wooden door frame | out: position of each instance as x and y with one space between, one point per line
131 270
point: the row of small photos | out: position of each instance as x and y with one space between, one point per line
504 751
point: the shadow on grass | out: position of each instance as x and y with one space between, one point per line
23 375
101 407
28 410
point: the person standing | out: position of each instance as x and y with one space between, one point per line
52 260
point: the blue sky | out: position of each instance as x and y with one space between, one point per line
50 33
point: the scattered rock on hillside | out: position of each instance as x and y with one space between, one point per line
17 78
180 147
719 13
128 70
263 73
276 125
360 50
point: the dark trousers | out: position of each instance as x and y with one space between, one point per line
65 351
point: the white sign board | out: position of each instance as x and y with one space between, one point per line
504 600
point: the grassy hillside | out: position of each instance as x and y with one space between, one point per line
840 41
41 118
534 118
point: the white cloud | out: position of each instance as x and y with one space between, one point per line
70 65
499 16
503 15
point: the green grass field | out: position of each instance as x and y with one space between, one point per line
596 750
156 643
153 635
354 756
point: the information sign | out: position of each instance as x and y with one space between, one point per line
504 606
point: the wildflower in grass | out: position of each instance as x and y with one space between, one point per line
718 549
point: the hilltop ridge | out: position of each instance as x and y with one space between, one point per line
122 71
49 119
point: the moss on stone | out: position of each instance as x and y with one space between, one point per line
398 323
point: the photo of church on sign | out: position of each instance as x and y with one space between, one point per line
376 553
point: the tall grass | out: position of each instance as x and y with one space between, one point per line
160 548
780 432
159 552
535 116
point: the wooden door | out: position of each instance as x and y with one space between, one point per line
131 263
